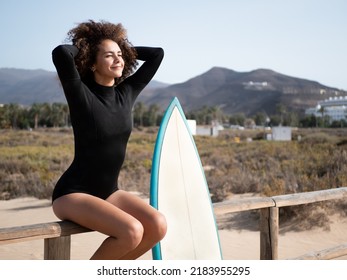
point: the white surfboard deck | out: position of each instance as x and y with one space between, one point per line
179 190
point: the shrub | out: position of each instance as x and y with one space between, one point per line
32 161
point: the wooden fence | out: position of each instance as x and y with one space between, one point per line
57 235
269 219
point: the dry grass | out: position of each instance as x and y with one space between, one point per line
32 161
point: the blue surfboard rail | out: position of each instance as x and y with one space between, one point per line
156 251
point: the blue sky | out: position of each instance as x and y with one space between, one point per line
301 38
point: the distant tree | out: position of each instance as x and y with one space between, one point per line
4 119
198 115
14 111
275 120
339 123
19 117
66 113
58 115
291 119
23 121
260 118
237 119
321 109
138 112
45 115
34 115
206 115
282 111
324 118
308 121
249 123
216 114
150 117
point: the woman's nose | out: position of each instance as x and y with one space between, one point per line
117 58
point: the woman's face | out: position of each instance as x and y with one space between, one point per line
109 63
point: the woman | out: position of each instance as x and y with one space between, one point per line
95 75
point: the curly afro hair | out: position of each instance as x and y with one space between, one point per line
88 35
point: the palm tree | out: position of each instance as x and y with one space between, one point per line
14 111
58 114
282 110
322 110
34 112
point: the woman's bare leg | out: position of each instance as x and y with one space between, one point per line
153 222
125 231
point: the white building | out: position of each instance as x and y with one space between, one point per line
334 107
206 130
192 126
281 133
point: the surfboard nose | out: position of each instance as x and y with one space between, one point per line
180 191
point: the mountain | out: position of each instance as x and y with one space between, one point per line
232 91
39 86
29 86
244 92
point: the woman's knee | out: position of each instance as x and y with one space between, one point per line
133 234
158 227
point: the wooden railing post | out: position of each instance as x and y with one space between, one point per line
265 240
57 248
269 233
274 228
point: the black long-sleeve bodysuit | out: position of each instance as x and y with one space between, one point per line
101 120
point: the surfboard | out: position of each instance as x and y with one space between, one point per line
179 190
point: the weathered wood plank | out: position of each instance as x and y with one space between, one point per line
39 231
309 197
243 204
326 254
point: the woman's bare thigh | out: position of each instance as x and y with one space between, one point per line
94 213
153 222
133 205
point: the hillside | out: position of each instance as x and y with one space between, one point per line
26 87
29 86
244 92
234 92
